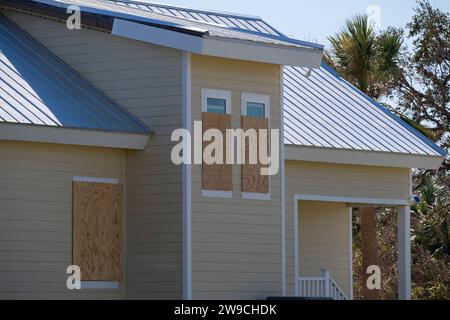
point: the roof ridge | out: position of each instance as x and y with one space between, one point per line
205 11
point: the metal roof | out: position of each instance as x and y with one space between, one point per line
170 18
37 88
323 110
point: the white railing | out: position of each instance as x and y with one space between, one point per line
323 287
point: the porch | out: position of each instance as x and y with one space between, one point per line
323 245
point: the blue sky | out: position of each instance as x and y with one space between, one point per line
312 20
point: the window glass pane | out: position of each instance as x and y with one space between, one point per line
215 105
255 109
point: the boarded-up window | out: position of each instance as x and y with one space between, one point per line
97 230
217 177
251 179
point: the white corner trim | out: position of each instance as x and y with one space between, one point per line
353 200
404 252
257 98
187 184
296 245
283 189
217 94
100 285
350 213
96 180
256 196
217 194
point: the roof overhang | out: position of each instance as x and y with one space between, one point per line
360 157
218 46
185 37
72 136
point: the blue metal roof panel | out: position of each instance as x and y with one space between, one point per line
36 87
324 110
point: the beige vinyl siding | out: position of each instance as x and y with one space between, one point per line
324 241
236 244
313 178
36 216
147 81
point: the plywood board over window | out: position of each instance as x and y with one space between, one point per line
252 180
217 177
98 230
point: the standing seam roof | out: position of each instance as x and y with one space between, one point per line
38 88
322 110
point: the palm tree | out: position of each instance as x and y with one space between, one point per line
368 60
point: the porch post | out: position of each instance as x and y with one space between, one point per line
404 252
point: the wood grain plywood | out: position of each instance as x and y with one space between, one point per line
251 179
97 230
217 176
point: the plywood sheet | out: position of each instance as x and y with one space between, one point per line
251 179
217 176
98 230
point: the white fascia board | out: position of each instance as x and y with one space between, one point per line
219 47
261 52
360 157
72 136
162 37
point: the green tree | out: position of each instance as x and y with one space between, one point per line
423 89
370 61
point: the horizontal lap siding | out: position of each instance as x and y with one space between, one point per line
146 80
236 244
312 178
36 216
324 241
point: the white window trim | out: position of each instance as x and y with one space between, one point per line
257 196
96 180
265 99
100 285
216 94
217 194
258 98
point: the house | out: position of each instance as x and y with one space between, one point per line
86 177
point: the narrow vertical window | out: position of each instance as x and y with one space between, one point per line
255 115
217 179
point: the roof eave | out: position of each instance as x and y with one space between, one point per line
362 157
219 46
73 136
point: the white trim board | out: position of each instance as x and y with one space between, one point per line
187 183
354 201
100 285
73 136
283 189
350 213
361 157
256 196
96 180
220 47
217 194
